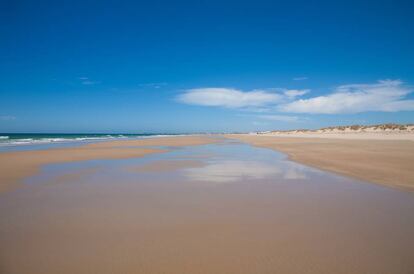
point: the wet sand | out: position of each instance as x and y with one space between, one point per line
244 210
386 162
164 166
17 165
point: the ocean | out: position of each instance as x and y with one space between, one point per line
17 139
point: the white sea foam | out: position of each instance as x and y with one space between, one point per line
6 141
29 141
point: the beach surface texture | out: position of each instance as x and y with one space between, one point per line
205 204
17 165
382 158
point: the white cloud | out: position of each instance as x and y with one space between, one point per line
229 98
386 95
300 78
292 93
234 98
280 118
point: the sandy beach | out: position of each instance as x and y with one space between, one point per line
385 159
206 137
206 207
15 166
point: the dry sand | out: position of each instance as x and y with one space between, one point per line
346 135
387 162
15 166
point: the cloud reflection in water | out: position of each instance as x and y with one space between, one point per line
234 170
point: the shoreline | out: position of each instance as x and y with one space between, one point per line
17 165
382 161
386 162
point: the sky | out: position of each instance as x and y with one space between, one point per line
204 66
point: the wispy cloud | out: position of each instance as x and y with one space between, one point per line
153 85
293 93
279 118
87 81
261 119
234 98
300 78
7 118
385 96
260 123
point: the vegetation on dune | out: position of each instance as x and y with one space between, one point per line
377 127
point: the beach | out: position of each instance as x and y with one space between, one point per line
379 158
382 158
17 165
198 204
206 137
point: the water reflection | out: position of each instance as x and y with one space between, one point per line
211 163
294 172
156 221
234 170
230 171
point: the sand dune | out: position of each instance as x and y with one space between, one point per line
373 132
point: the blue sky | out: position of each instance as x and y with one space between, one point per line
196 66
